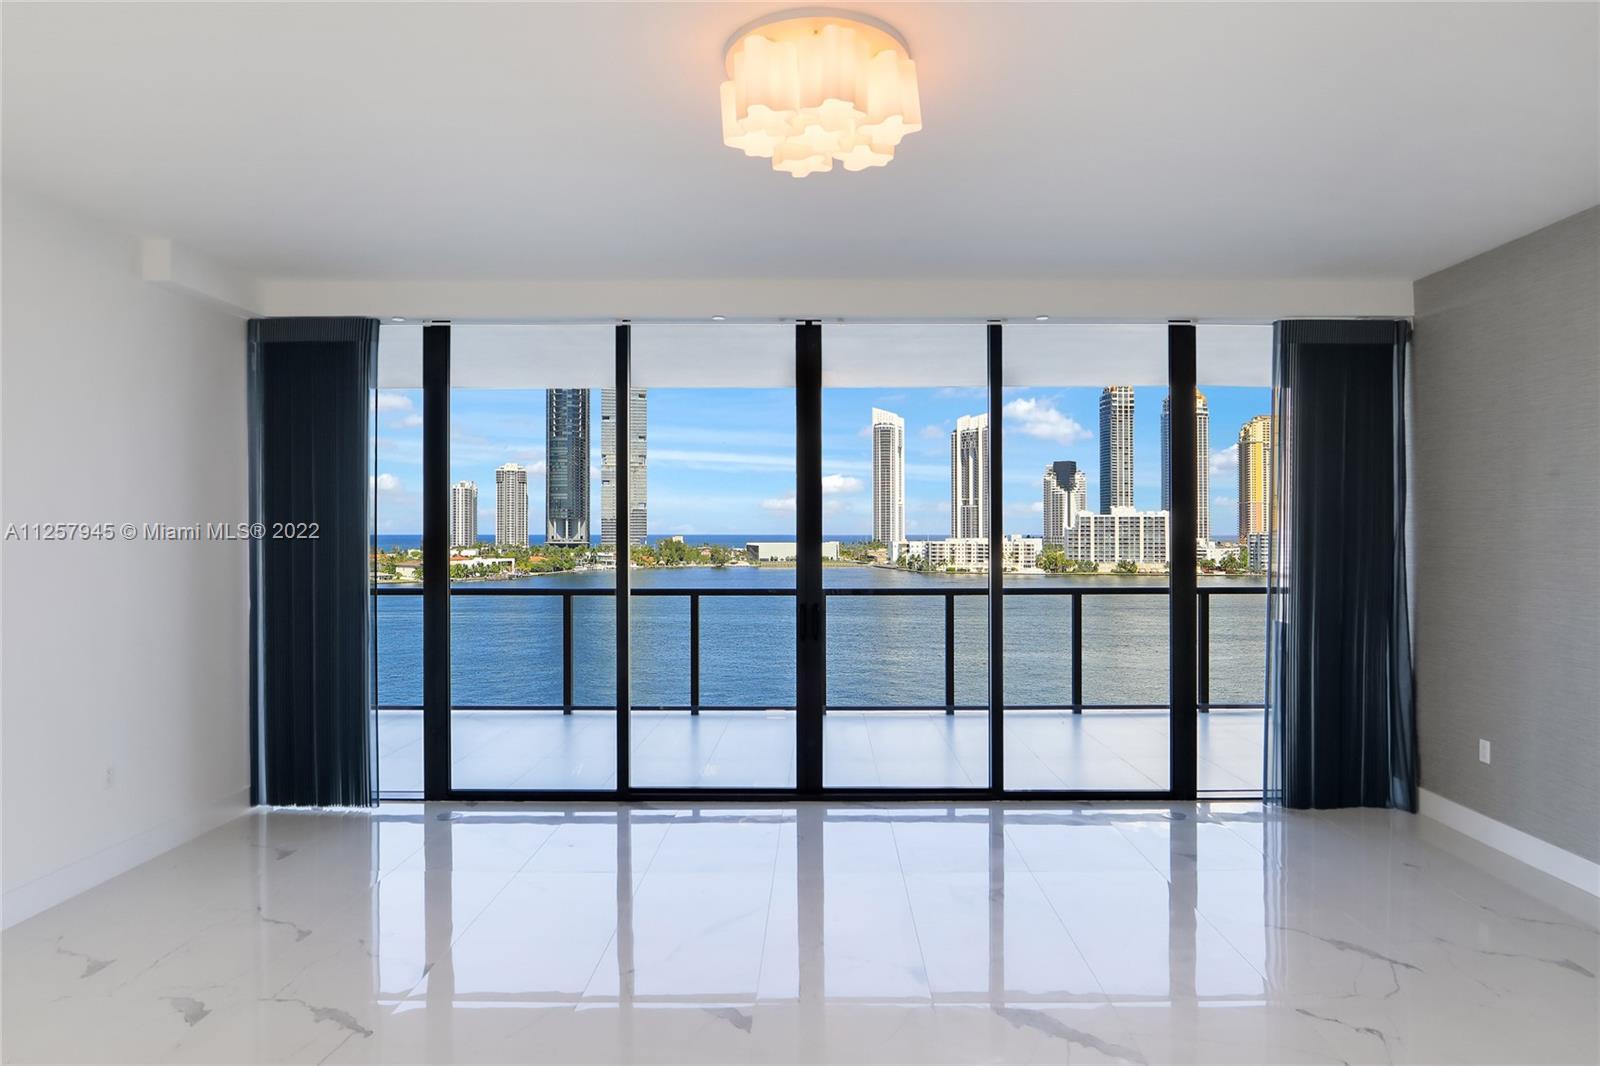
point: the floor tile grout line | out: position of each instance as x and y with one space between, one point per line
911 909
772 891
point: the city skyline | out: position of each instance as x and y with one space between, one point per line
721 461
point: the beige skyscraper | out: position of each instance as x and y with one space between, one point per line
464 514
511 505
1255 476
969 477
638 465
888 480
1202 462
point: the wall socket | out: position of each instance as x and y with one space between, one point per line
1483 750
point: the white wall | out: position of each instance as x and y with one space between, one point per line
124 678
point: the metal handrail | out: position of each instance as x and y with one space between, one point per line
1077 593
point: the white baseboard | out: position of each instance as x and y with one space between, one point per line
1542 855
25 900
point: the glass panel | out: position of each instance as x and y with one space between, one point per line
905 494
711 478
397 561
1234 368
1085 519
528 571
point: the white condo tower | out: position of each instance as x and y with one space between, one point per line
888 480
969 477
464 514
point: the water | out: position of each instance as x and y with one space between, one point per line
882 651
400 541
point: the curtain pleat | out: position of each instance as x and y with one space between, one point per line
311 384
1341 723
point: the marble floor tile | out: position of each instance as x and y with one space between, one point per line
849 933
1045 750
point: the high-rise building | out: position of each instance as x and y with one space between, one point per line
1255 476
888 480
1202 462
566 468
638 466
969 477
1066 496
511 505
464 514
1116 447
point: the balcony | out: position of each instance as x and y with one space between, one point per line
713 681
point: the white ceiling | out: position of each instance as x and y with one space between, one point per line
542 141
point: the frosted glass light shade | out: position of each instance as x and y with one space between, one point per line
804 92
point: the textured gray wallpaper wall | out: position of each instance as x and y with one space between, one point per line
1506 488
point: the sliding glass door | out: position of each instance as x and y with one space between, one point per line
711 417
906 487
397 562
1233 366
532 577
806 559
1087 566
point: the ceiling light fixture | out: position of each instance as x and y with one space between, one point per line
1041 318
719 318
806 89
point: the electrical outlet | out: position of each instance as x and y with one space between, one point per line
1483 750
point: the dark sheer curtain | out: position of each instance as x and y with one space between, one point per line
1341 723
311 396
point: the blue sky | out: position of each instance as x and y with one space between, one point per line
722 460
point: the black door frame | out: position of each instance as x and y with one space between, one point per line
810 601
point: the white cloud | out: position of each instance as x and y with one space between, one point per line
933 432
833 486
393 401
730 462
832 483
1039 418
409 422
1225 463
388 483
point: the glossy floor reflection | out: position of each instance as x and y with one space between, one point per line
1104 751
811 933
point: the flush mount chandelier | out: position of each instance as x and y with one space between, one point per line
805 89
